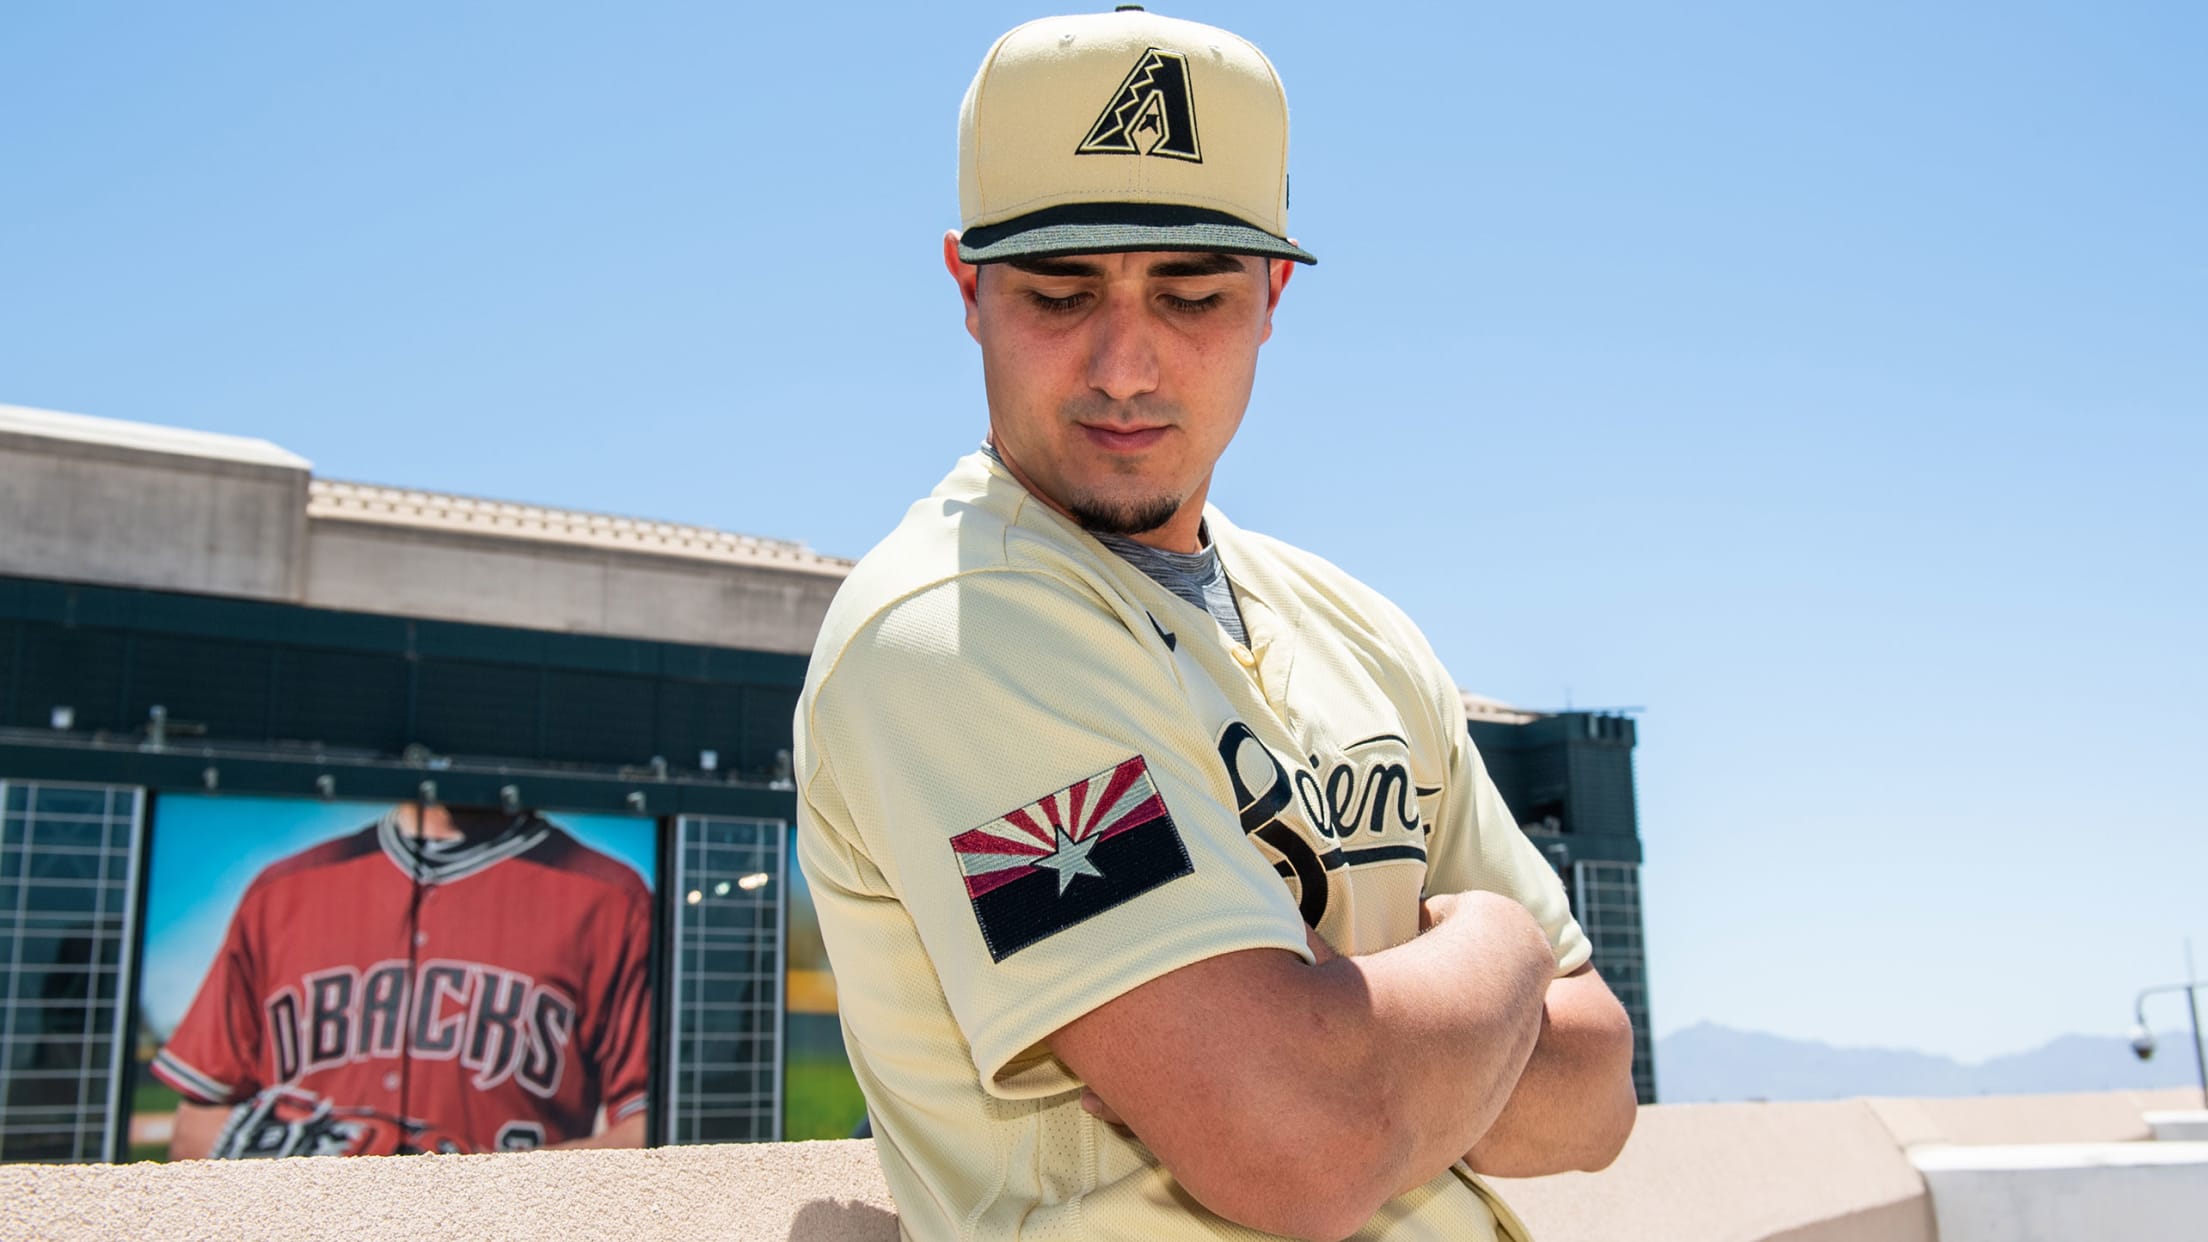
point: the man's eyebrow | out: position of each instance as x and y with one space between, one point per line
1181 266
1055 267
1198 265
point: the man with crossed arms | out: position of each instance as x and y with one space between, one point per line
1166 893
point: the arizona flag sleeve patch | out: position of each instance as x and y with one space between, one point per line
1036 871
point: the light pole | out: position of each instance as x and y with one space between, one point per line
2142 1039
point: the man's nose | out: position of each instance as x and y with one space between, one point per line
1123 358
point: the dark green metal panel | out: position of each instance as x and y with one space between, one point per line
125 609
80 669
294 776
769 724
122 608
695 716
11 670
479 709
243 672
204 684
588 716
341 698
758 668
595 653
476 644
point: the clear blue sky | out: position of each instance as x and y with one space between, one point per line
1831 381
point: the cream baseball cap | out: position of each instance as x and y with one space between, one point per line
1123 131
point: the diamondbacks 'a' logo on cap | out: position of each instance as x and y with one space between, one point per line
1038 870
1153 113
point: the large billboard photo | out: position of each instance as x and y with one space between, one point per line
341 978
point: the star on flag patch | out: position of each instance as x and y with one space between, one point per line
1038 870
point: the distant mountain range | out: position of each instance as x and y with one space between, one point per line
1710 1062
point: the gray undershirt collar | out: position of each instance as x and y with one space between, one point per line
1196 577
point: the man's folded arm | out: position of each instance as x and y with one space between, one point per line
1297 1098
1574 1106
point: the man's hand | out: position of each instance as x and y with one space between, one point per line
628 1132
1298 1098
197 1126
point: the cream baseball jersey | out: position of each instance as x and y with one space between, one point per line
1031 779
379 993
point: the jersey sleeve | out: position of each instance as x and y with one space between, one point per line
214 1055
1478 845
1021 773
623 1054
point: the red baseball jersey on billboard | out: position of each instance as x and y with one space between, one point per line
381 992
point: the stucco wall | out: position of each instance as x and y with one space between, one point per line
1822 1172
817 1192
1738 1173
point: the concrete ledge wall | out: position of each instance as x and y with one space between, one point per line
1821 1172
2179 1124
1738 1173
2061 1192
816 1192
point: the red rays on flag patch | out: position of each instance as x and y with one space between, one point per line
1037 870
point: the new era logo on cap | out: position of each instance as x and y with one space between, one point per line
1080 135
1038 870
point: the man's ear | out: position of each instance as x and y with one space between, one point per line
968 278
1277 272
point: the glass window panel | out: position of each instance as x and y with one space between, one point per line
63 916
62 897
46 832
66 864
725 1069
90 801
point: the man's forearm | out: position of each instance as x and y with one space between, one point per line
1574 1104
1295 1098
1484 1060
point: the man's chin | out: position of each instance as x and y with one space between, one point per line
1129 518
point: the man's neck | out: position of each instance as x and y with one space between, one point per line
1183 532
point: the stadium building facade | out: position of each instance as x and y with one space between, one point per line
214 663
205 650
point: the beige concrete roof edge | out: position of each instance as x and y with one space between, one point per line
146 437
379 504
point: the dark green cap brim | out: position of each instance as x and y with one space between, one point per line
1116 228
